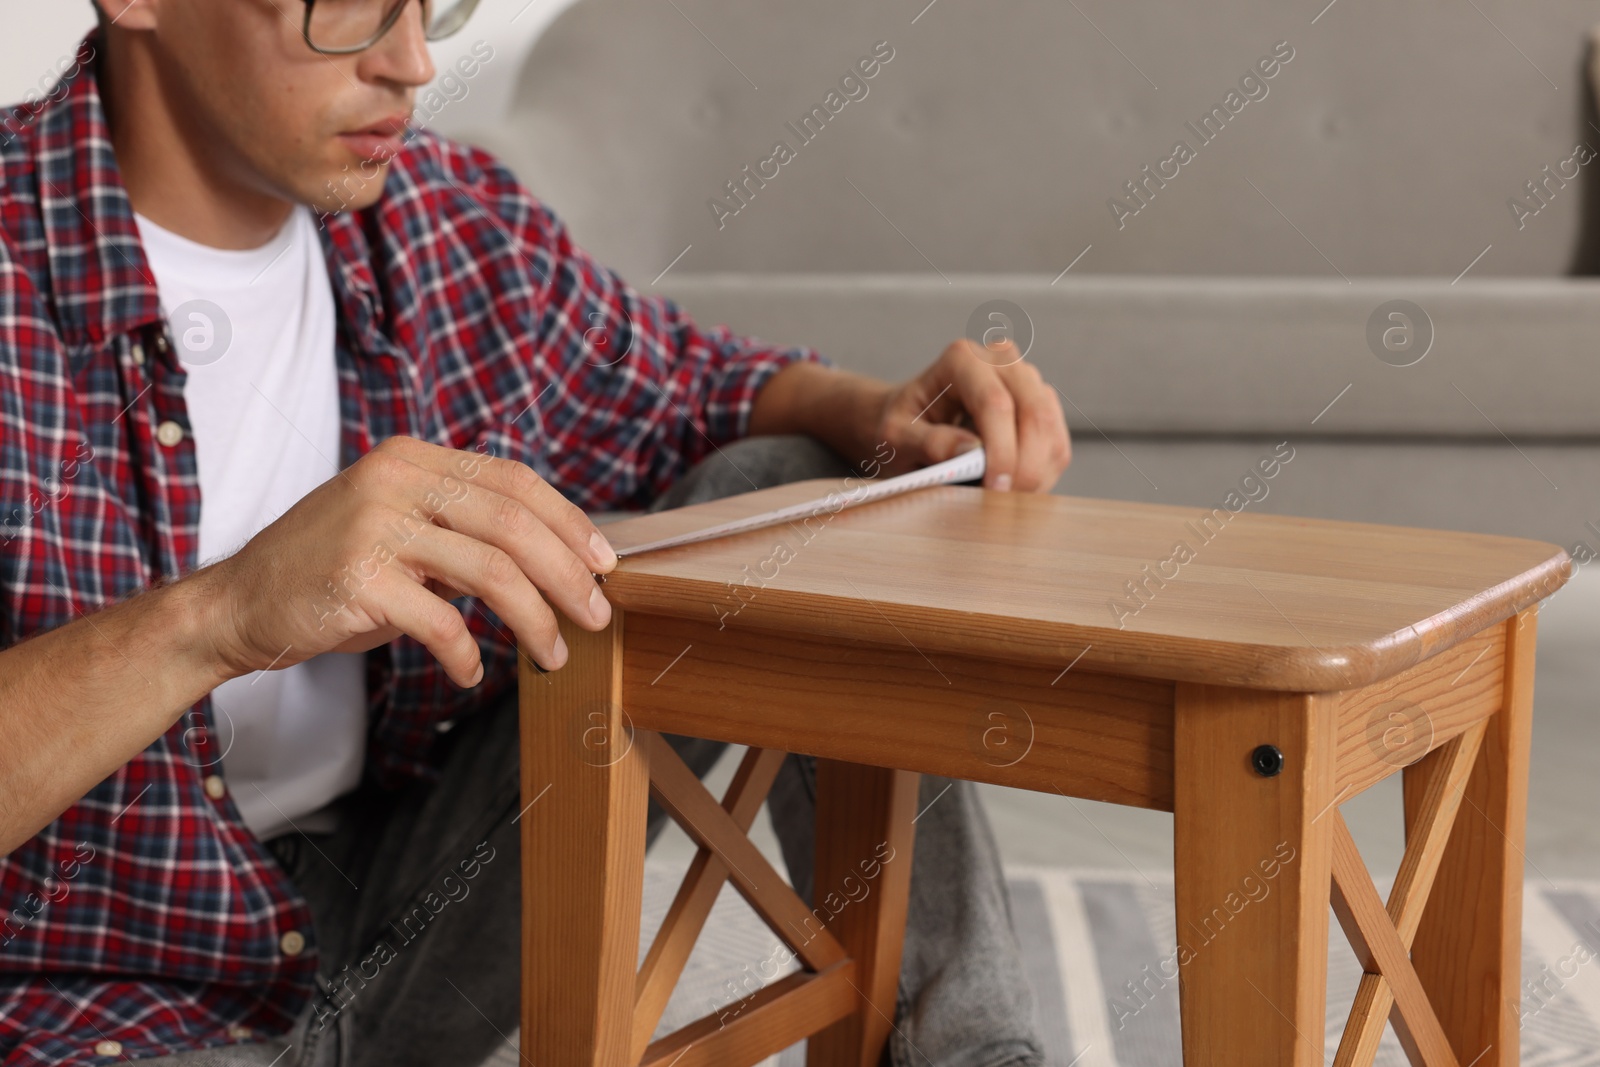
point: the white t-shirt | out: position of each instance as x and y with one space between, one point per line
255 334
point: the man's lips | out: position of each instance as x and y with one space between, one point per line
381 140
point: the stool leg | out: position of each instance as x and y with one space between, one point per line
585 785
1253 867
861 886
1468 948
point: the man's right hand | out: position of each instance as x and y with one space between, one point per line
379 549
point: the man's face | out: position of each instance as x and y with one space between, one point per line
279 117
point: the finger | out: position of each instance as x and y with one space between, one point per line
988 400
1063 437
544 558
938 432
370 639
489 573
437 624
514 479
1041 428
524 534
934 442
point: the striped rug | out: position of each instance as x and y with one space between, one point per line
1098 946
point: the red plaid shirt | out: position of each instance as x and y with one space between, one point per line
148 914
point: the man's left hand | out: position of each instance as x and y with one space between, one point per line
976 394
970 395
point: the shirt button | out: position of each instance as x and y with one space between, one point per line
216 788
161 342
138 353
169 433
293 943
445 727
239 1033
108 1048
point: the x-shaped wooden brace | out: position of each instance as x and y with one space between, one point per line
823 989
1390 988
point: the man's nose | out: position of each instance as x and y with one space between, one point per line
402 55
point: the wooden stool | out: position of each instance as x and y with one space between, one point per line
1246 672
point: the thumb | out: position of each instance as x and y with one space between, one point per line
937 442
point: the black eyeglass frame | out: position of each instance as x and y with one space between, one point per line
464 9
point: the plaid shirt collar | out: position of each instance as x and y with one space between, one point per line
102 283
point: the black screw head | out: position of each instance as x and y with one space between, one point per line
1267 761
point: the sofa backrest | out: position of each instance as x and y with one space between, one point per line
1390 139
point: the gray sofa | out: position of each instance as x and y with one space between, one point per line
1218 301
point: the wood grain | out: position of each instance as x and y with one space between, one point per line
1372 934
1468 946
585 784
1440 779
1268 602
766 1022
1253 861
1050 729
676 789
691 906
1393 724
864 845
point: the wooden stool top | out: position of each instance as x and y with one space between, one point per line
1246 599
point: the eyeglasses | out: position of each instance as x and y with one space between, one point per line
340 27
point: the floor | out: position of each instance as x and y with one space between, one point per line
1563 833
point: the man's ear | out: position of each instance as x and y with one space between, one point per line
129 14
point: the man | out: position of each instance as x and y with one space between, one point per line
290 467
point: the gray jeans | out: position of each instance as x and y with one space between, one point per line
416 895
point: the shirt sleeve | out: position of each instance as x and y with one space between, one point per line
632 391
